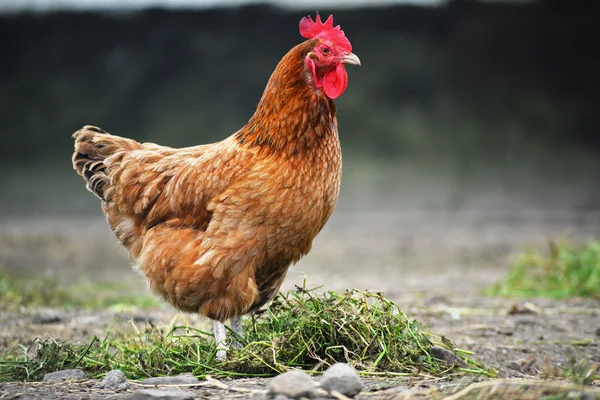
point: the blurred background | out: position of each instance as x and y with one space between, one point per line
469 132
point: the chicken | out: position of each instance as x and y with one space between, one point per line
215 227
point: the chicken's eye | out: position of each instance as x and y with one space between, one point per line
325 50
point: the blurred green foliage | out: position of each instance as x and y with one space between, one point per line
43 291
565 270
463 98
467 80
46 291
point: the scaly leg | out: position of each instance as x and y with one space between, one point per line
236 326
220 336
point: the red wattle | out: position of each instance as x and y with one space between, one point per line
335 82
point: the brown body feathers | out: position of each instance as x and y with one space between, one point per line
215 227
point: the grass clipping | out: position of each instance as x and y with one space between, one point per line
564 271
300 329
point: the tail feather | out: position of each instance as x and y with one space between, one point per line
92 146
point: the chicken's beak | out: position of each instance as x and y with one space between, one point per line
350 58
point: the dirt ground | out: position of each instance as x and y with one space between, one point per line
434 264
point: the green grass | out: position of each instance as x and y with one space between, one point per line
17 293
580 369
45 291
301 329
564 271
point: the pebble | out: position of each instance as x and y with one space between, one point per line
341 378
137 317
507 331
525 308
66 374
181 379
86 320
435 300
48 317
526 321
161 394
292 384
524 365
115 380
448 356
506 373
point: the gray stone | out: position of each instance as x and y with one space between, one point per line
136 317
524 365
448 356
436 300
263 396
292 384
66 374
161 394
341 378
48 317
115 380
507 373
181 379
86 320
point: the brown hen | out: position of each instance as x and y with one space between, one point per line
215 227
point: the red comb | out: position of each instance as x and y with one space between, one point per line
318 30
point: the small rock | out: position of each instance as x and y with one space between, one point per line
161 394
525 308
263 396
525 321
598 332
66 374
436 300
181 379
342 378
48 317
504 373
506 331
86 320
455 315
115 380
524 365
293 384
136 317
143 318
447 356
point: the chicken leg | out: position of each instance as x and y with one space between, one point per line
220 338
236 326
220 334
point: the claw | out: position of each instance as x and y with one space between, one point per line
222 354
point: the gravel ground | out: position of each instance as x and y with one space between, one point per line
434 264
